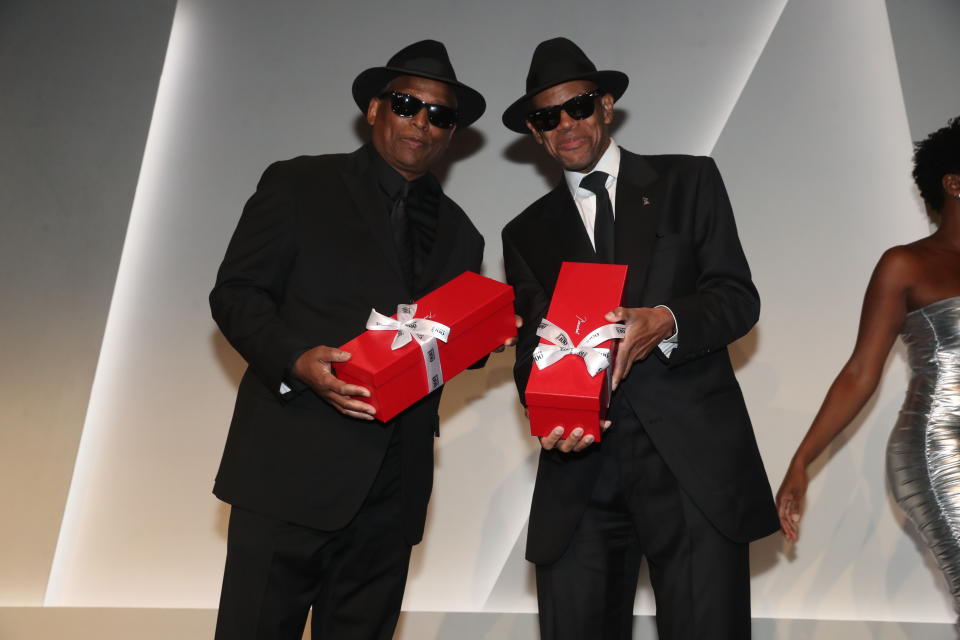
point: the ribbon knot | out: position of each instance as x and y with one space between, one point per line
561 345
422 330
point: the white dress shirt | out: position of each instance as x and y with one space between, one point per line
586 202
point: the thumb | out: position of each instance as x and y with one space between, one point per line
615 315
336 355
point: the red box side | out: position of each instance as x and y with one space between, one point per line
545 419
479 312
564 392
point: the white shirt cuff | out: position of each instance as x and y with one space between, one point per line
668 345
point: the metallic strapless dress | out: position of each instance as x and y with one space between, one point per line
923 454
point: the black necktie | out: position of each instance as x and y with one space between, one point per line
603 241
401 233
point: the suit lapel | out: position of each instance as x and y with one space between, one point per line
566 231
558 237
362 185
637 213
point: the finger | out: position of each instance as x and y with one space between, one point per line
346 403
791 531
787 530
509 342
572 440
615 315
782 503
517 320
326 381
550 441
332 354
355 414
586 442
785 524
617 375
605 424
346 389
789 517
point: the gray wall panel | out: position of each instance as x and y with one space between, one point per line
925 34
79 81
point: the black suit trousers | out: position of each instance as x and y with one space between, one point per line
352 578
700 579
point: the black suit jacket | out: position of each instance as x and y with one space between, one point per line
312 254
675 230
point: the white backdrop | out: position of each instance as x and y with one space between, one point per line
801 104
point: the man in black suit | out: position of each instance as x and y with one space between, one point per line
326 502
678 478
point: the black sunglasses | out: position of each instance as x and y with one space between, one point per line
407 106
578 107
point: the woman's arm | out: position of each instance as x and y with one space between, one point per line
884 309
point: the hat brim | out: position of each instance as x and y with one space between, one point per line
612 82
369 84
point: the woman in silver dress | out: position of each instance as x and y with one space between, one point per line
914 292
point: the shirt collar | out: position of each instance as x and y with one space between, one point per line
393 183
609 163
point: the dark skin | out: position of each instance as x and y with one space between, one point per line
578 145
906 278
411 146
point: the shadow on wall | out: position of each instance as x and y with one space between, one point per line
473 384
458 394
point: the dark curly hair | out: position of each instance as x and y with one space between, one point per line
933 158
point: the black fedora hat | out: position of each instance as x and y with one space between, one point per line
554 62
425 59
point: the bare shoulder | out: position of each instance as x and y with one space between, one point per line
903 257
900 266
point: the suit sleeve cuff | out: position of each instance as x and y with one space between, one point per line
667 346
291 385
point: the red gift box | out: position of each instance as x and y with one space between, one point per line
564 393
479 314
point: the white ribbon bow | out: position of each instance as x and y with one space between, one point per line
425 332
562 345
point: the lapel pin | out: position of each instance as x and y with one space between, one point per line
645 200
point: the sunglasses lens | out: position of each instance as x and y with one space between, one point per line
545 119
578 107
441 116
407 106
